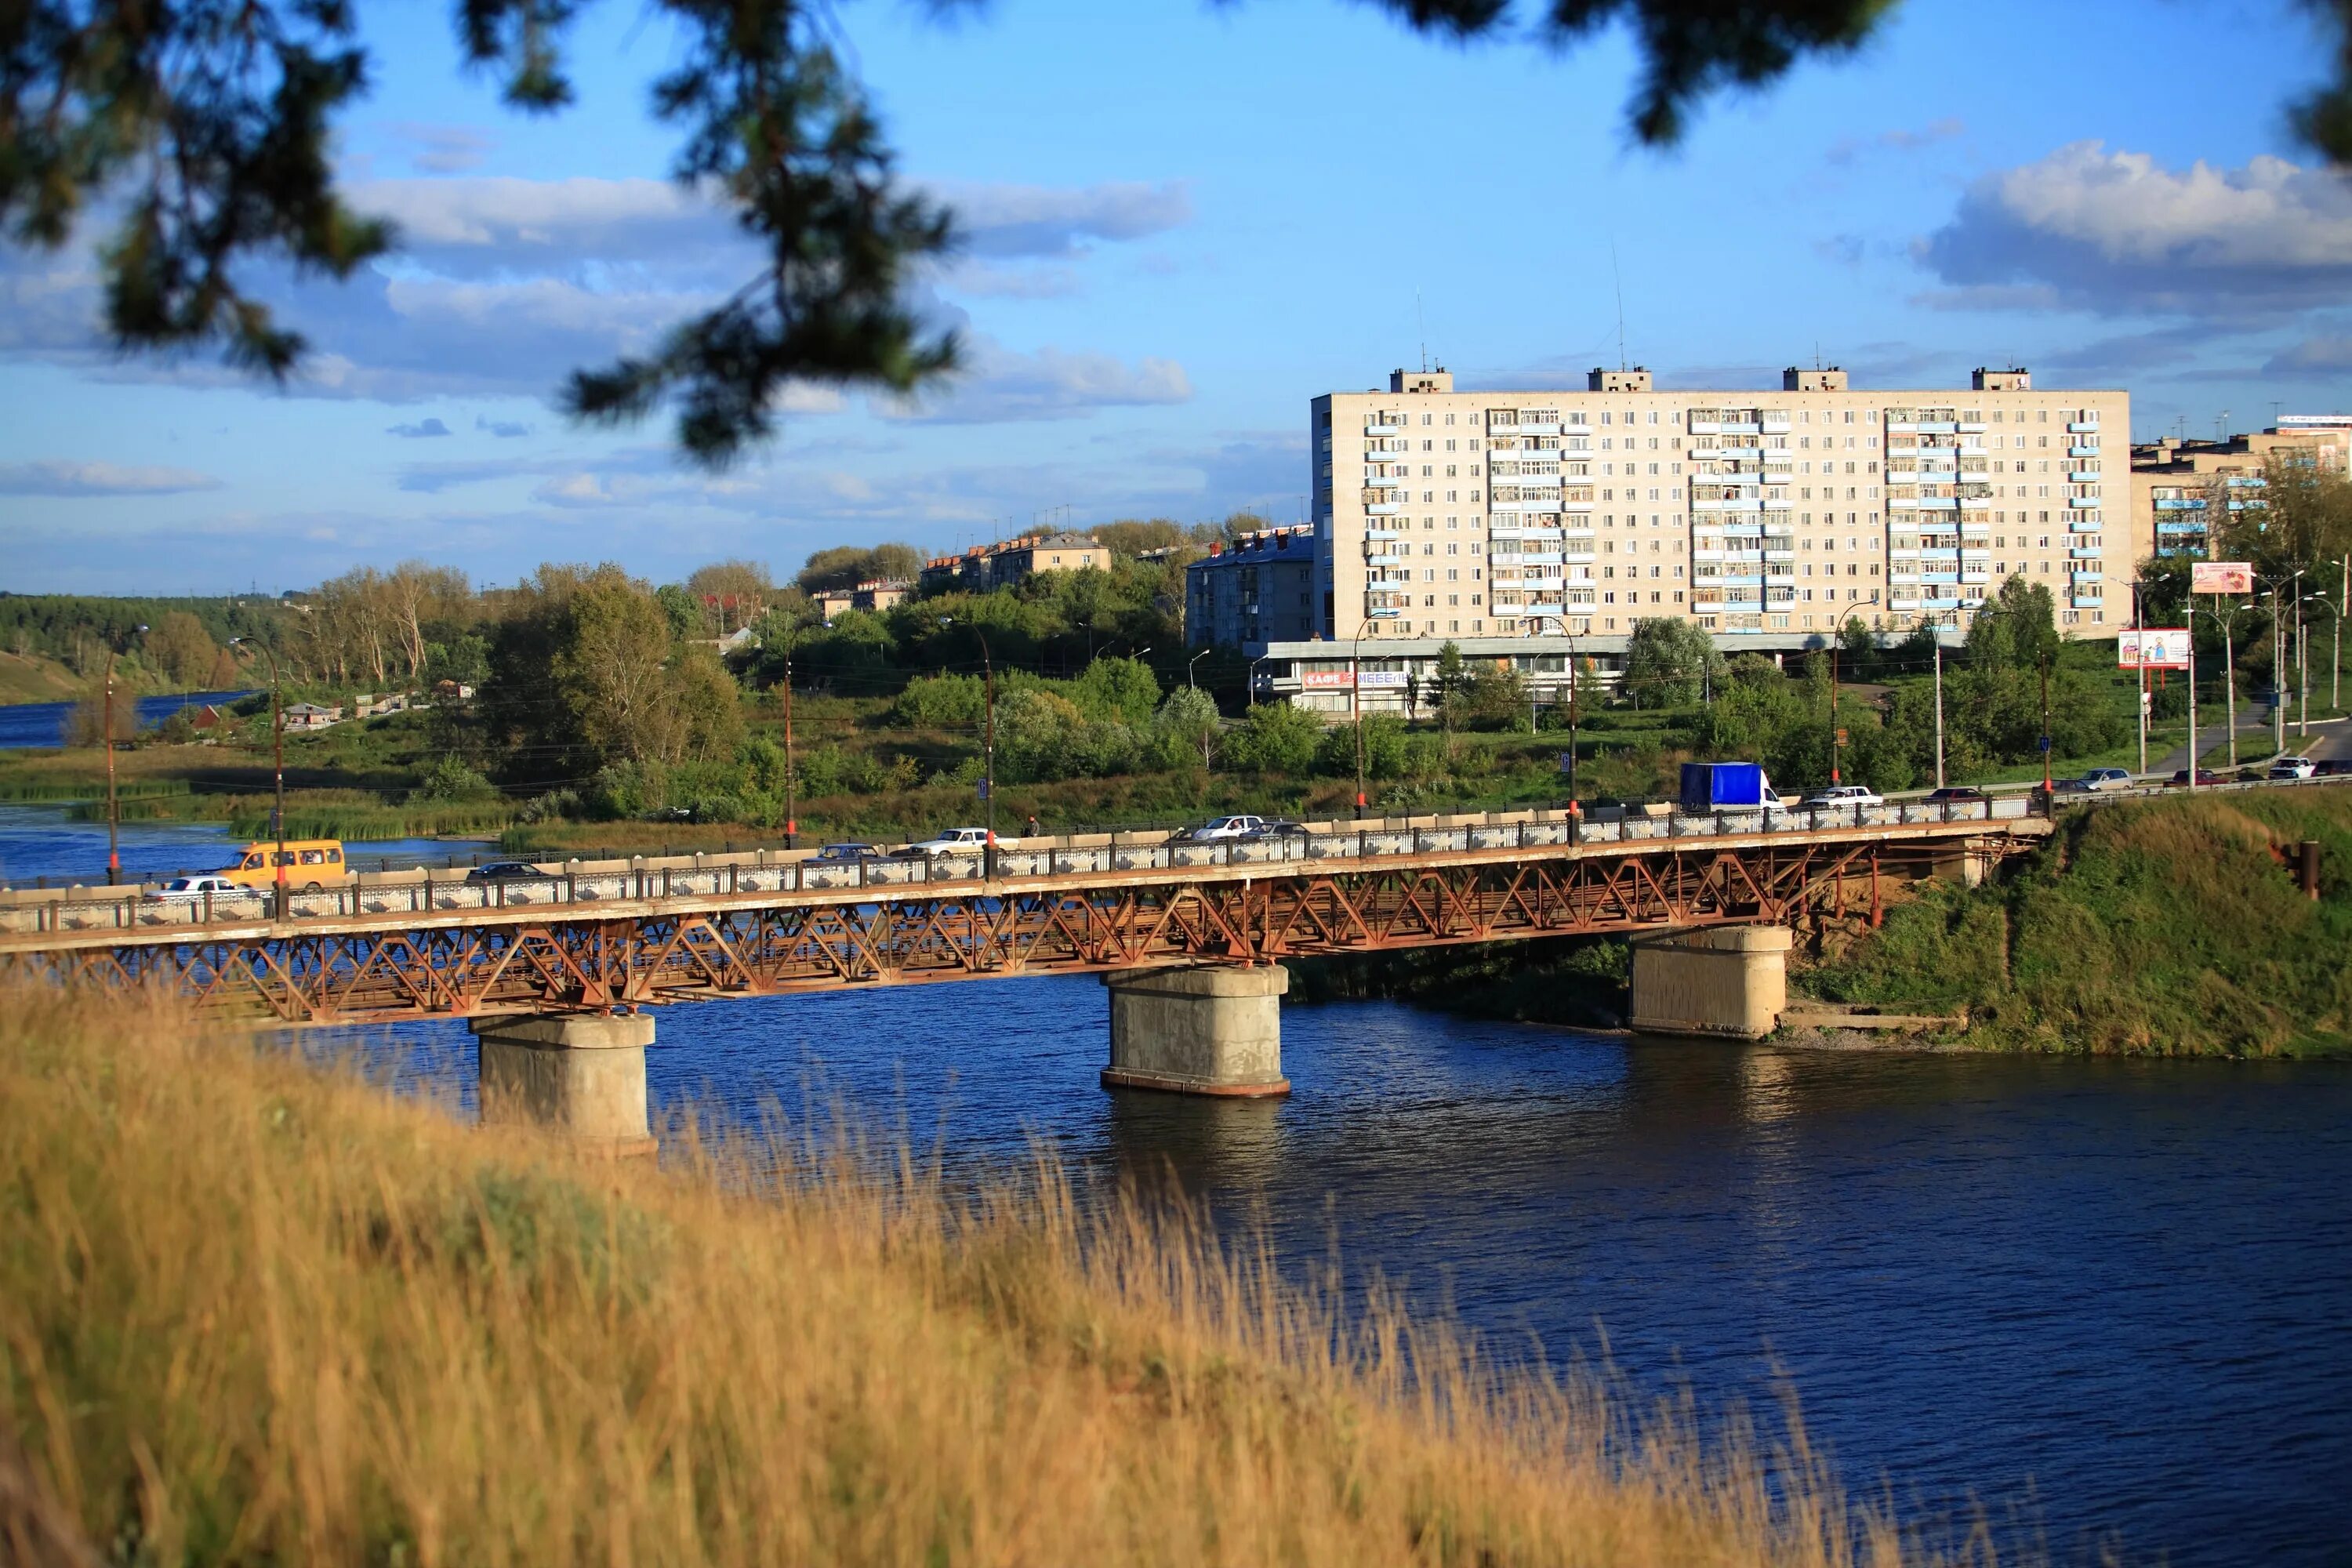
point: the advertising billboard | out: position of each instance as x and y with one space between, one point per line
2221 577
2156 648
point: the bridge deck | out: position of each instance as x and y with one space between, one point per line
595 941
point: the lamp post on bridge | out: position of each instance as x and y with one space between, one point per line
988 747
1355 702
114 647
278 748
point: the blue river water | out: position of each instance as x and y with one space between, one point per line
2107 1303
23 724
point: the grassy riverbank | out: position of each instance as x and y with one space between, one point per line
251 1312
2161 927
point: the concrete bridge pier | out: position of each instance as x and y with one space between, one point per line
1211 1030
1726 981
579 1074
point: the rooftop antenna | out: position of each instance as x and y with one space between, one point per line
1620 280
2276 404
1421 324
2222 426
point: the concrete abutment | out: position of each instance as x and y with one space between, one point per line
580 1075
1210 1030
1724 981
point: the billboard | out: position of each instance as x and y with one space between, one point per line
2220 577
1339 680
2153 649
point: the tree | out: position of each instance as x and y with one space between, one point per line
1185 727
210 127
1668 662
183 651
1275 738
732 594
847 565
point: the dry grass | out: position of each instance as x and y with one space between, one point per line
250 1313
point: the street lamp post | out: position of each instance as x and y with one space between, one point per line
106 723
988 746
278 748
792 816
1195 660
1252 678
1939 699
1355 702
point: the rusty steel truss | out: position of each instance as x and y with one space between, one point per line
381 969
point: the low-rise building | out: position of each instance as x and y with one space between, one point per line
1258 589
986 567
2182 490
310 716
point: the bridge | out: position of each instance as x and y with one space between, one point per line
554 973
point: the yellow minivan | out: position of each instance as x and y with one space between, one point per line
311 863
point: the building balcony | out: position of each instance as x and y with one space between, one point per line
1380 533
2084 428
1384 429
2082 503
1717 503
1385 509
2090 527
1726 427
2180 504
1372 560
2181 529
2092 553
2085 476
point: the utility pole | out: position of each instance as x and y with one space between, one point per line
2045 724
1939 704
2139 671
1355 702
2192 695
988 747
113 820
278 746
1834 715
791 817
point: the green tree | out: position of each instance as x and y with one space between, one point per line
1275 738
182 650
1123 689
1668 662
1185 729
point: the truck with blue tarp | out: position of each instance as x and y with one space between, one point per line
1710 787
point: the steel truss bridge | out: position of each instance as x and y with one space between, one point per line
589 940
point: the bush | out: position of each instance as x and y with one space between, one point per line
1275 738
450 779
625 790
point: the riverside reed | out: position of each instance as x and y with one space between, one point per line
253 1312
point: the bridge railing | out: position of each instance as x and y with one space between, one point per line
81 910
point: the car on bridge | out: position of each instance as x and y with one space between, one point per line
2099 779
1843 794
507 871
845 854
1278 829
955 840
1218 827
1958 793
197 886
2205 776
2332 768
2294 768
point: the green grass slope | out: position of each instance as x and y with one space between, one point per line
2166 927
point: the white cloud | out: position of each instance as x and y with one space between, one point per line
2115 233
54 476
1848 149
419 430
1002 385
445 149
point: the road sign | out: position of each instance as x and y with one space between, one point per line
1841 737
2045 742
984 789
2220 577
2153 647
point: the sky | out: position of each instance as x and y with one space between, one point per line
1183 221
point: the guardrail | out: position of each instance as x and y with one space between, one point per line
125 909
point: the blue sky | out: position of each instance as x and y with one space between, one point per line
1186 220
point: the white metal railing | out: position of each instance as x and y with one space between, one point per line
753 876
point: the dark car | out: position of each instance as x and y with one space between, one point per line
506 871
845 854
2204 776
1958 791
1278 829
2332 768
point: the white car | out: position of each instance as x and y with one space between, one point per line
2294 768
197 886
1227 827
2102 778
1845 795
954 841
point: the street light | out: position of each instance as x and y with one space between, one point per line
1836 740
2303 657
988 747
1195 660
114 645
278 746
792 816
2228 621
1356 700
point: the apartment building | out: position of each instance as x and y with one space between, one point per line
1529 514
874 595
989 566
2182 488
1257 590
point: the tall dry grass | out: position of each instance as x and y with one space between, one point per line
253 1312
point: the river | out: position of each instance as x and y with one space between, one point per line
23 724
2104 1300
